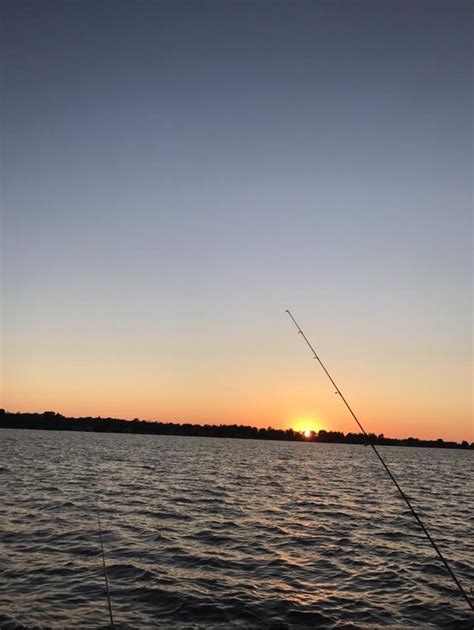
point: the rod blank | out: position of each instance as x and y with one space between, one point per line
105 567
387 469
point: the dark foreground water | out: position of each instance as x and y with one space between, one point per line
214 533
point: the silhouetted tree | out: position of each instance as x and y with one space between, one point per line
50 420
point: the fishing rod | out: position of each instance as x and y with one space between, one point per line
387 469
104 565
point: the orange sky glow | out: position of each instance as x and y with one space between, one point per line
286 391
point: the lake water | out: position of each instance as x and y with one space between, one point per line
215 533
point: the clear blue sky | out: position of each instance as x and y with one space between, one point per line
176 174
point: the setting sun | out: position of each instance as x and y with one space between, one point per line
307 425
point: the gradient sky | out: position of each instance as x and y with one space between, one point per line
176 174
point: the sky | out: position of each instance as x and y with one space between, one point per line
174 175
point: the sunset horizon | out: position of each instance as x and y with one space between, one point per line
158 217
301 425
236 318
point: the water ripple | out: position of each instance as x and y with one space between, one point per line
209 533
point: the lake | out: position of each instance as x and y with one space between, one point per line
222 533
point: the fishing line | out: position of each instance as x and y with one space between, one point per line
390 474
104 565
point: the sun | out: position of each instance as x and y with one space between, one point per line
307 425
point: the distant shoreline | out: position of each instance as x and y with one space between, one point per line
50 420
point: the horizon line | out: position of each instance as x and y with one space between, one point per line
312 436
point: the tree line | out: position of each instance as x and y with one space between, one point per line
50 420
